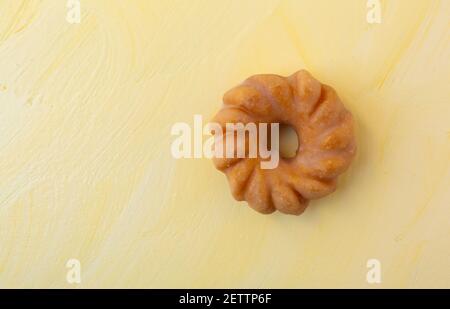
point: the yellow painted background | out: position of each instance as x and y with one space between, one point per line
85 164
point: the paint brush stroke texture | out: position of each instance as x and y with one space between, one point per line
85 164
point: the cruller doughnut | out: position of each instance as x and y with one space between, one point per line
326 141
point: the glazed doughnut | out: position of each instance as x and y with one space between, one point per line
325 134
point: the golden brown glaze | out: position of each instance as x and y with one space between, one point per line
326 141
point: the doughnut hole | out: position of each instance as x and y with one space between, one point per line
289 141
